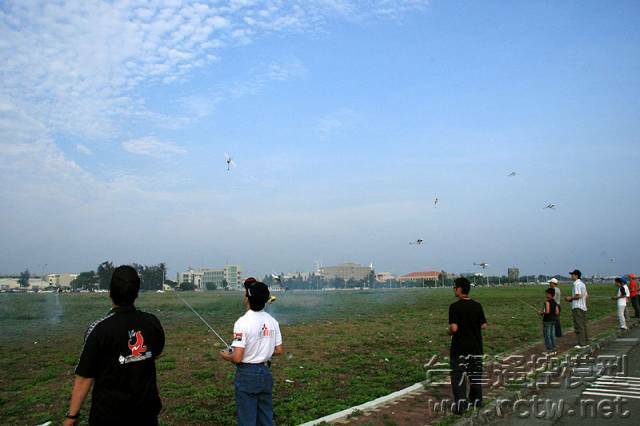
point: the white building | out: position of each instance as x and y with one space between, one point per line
383 277
61 280
232 274
191 276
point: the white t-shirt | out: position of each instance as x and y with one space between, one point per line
579 288
258 333
623 291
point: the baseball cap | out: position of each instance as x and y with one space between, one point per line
632 276
256 291
553 281
576 272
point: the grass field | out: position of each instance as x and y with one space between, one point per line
342 348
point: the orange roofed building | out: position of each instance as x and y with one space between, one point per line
420 276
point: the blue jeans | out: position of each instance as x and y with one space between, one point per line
549 331
253 395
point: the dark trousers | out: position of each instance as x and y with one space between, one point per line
580 326
466 370
635 302
254 404
548 331
558 327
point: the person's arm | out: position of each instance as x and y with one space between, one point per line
483 320
81 388
578 295
557 310
235 356
238 344
279 350
453 321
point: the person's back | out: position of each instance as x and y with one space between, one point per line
259 332
466 322
118 360
256 338
119 353
469 317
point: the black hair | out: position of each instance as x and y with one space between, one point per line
125 285
463 283
255 305
257 293
619 280
577 274
550 291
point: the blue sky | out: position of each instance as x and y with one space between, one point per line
346 119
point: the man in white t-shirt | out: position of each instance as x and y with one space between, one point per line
256 338
578 301
621 299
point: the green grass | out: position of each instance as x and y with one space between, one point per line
342 348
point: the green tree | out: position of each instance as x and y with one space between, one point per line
187 286
211 286
88 280
105 271
23 281
225 284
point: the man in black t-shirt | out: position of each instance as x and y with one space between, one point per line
466 322
118 360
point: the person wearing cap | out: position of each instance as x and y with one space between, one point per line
634 297
578 301
256 338
557 297
118 360
621 300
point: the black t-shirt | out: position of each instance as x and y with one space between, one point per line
551 316
119 353
469 316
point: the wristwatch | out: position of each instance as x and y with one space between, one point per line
74 417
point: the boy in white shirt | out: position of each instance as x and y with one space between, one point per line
621 300
256 338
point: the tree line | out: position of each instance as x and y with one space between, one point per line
151 277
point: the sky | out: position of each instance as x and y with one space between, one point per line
346 119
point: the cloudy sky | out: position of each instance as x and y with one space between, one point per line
345 118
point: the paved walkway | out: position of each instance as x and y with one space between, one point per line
417 408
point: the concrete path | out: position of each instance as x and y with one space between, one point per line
604 398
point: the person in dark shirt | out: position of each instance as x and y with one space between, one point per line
118 360
549 318
466 322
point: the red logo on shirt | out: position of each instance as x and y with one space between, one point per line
137 348
237 337
265 330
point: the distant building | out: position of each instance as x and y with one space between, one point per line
383 277
191 276
347 271
212 276
200 278
432 276
233 275
61 280
513 274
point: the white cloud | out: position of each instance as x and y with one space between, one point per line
83 149
76 65
152 147
336 121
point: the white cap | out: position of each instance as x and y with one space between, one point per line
553 281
